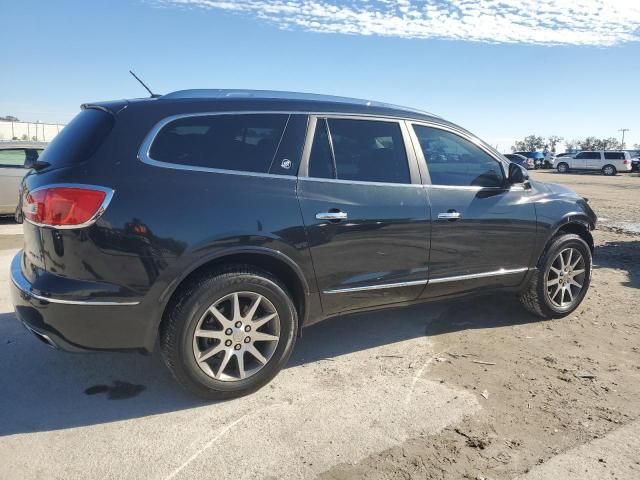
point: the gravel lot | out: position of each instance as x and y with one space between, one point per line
466 389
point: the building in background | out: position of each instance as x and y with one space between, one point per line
31 131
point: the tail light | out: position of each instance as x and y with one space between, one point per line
65 206
626 162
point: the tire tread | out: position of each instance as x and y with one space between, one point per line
170 327
531 296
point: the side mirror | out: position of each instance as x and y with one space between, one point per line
517 174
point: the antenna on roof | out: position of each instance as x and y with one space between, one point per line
153 95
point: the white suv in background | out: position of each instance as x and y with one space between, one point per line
608 162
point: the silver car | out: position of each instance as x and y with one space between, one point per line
16 159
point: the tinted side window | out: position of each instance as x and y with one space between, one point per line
614 155
452 160
369 151
246 142
12 158
589 155
80 139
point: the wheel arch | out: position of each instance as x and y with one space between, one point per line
272 261
577 226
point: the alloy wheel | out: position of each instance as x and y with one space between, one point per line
236 336
565 278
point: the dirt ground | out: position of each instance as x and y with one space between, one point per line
546 387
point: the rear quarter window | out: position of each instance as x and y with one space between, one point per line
80 139
614 155
244 142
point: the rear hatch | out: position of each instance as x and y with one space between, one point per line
69 150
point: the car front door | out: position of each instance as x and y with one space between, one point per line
483 230
594 160
579 162
12 169
365 211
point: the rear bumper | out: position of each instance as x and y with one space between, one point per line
79 325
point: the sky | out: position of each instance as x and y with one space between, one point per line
503 69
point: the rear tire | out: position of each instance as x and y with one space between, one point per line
232 351
545 294
609 170
563 167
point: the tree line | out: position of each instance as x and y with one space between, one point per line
531 143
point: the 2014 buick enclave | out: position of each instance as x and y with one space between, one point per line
221 222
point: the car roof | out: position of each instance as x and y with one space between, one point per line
275 100
219 93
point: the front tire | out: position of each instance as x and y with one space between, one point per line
228 334
563 167
561 280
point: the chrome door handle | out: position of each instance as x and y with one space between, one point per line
331 215
449 216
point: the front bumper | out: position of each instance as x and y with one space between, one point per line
78 325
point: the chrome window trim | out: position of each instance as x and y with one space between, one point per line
457 278
103 206
512 188
175 166
360 182
145 147
24 289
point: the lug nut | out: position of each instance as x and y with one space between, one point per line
228 331
247 328
228 343
238 346
247 339
238 324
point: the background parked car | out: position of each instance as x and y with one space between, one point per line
537 157
15 160
635 160
521 160
609 162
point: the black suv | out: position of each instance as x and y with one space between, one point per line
220 222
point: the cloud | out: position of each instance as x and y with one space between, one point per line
547 22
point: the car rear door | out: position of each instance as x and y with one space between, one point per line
483 230
365 211
12 169
617 159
